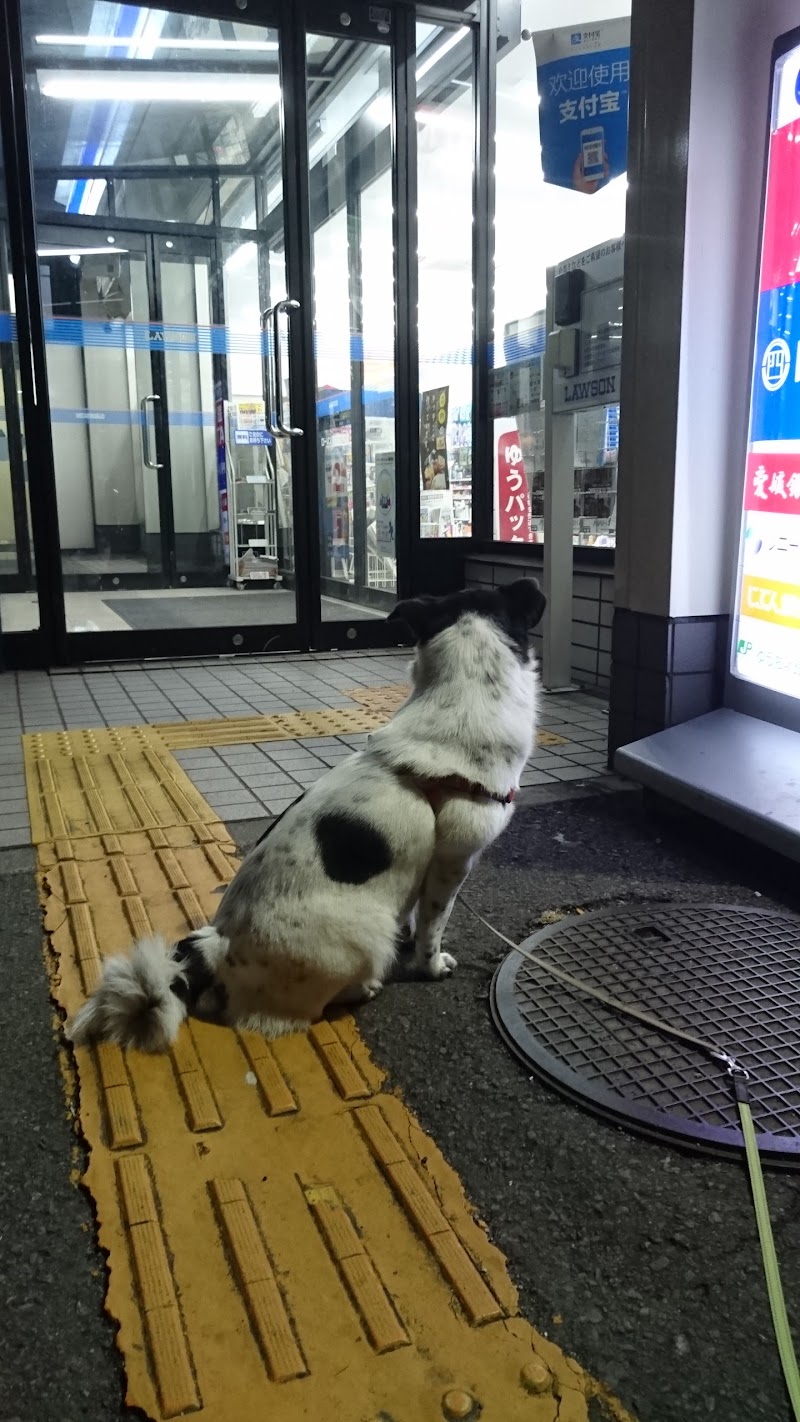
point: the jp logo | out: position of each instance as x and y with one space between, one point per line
775 364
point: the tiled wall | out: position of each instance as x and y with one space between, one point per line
592 610
666 670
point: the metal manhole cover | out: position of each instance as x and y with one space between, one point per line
730 975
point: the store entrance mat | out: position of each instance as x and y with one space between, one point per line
283 1239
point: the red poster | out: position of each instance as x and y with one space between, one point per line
781 252
513 499
773 483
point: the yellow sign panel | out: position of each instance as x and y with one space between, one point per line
771 601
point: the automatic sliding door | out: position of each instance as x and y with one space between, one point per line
184 279
350 184
157 148
19 604
96 308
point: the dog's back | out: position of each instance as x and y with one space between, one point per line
388 836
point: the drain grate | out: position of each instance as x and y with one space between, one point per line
730 975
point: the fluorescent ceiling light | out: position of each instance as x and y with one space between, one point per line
450 43
79 251
133 43
157 88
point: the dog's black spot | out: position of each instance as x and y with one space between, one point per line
213 1003
352 851
436 906
197 977
515 609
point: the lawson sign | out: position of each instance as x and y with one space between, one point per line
582 392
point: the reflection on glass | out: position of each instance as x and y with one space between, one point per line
445 159
350 178
161 198
538 225
156 141
19 606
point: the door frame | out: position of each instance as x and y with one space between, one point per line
294 19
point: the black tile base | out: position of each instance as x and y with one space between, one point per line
664 670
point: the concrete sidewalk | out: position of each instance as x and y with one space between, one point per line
640 1261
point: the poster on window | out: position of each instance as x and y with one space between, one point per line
513 497
583 77
433 438
385 503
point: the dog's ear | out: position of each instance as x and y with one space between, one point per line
524 598
415 613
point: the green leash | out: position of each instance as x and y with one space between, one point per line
739 1077
777 1303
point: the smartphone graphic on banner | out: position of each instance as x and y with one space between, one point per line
593 151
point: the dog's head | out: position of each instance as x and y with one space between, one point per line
514 609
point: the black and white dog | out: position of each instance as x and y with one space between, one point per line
375 851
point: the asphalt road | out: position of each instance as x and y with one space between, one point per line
647 1257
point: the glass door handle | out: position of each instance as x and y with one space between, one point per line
143 403
287 305
267 317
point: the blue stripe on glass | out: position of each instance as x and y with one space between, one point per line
63 415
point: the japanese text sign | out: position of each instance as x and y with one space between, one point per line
766 638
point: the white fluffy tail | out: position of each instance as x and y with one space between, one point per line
134 1004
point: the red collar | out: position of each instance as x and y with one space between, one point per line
438 788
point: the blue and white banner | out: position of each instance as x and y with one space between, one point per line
583 76
775 411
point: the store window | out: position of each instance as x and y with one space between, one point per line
560 203
445 160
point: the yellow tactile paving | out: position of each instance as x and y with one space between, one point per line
295 725
376 705
83 784
283 1238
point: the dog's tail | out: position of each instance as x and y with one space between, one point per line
143 998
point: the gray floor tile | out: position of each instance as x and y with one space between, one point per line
535 777
269 780
236 811
278 805
226 803
310 777
592 759
215 780
11 837
573 772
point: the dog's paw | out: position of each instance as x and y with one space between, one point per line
442 966
371 989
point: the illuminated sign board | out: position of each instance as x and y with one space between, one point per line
766 641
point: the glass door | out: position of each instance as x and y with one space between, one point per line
218 206
157 149
353 253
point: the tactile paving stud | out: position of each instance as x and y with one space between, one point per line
536 1377
459 1406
